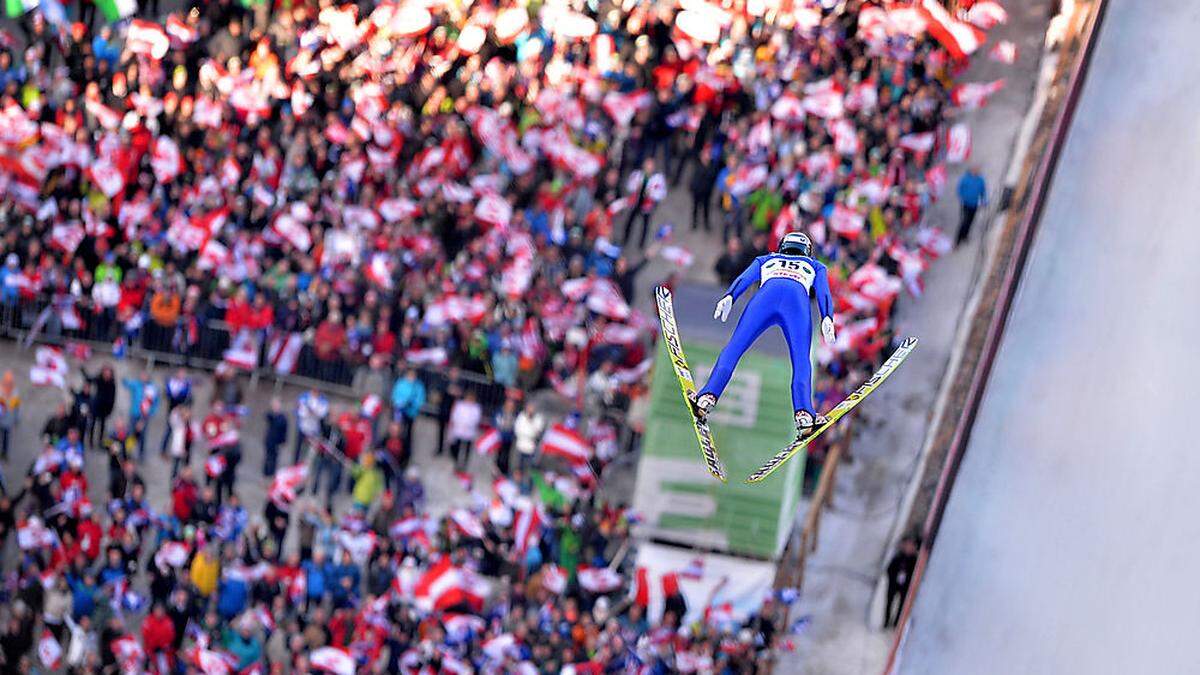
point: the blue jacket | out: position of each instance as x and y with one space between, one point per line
277 429
972 190
408 397
232 595
315 578
137 392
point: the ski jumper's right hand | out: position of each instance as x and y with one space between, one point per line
723 308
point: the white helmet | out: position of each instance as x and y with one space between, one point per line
797 243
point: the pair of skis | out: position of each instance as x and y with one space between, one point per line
708 447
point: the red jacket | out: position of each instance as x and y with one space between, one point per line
90 537
239 316
158 633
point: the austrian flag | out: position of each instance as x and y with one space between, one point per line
488 442
445 586
562 441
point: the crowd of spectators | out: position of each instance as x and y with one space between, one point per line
349 191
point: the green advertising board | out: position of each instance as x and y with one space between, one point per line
677 498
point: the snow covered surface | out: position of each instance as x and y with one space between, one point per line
1071 537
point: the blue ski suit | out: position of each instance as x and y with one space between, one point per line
787 283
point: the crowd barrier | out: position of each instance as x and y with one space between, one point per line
28 321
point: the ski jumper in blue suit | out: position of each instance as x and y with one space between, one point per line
787 283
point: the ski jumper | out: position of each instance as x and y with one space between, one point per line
787 282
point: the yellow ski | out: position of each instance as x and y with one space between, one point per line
670 335
840 410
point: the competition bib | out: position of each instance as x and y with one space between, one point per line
798 270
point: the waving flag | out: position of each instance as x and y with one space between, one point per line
959 38
332 660
49 369
285 484
528 528
283 352
972 95
488 442
1004 52
958 143
467 523
846 221
554 579
445 586
147 38
243 353
49 650
562 441
986 14
598 579
166 160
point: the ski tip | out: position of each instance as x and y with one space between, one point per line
908 343
662 291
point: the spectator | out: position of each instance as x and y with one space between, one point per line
972 194
899 575
703 180
10 406
408 398
527 433
368 481
731 263
275 436
645 188
311 409
465 416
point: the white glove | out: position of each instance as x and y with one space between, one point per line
723 307
827 330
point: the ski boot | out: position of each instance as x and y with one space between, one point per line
702 405
807 424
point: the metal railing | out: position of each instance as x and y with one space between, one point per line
27 320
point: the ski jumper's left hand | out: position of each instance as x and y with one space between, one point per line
827 330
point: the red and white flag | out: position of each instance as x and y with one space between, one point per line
215 465
243 353
493 210
562 441
960 39
527 530
467 523
49 650
488 442
397 209
166 160
936 178
444 586
788 108
598 579
554 579
846 221
1004 51
67 236
332 660
230 172
49 369
919 143
958 143
285 484
284 350
147 38
213 255
106 176
288 227
972 95
986 14
180 31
